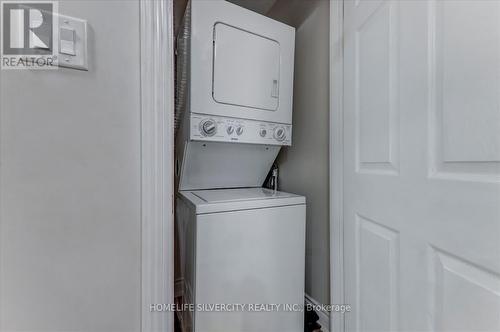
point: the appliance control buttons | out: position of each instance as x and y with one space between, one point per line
263 132
208 127
230 129
279 133
239 131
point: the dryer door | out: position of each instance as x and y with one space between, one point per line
246 68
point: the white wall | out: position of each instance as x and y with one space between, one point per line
304 166
70 184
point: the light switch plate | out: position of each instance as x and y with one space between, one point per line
79 60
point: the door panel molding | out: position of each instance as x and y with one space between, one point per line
377 128
454 153
377 257
455 279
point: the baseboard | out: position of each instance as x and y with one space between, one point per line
324 317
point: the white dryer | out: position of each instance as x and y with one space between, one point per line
234 95
242 246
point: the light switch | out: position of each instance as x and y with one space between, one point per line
72 42
67 41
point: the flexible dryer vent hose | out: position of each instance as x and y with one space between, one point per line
182 67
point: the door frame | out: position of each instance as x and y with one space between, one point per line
157 161
157 156
336 162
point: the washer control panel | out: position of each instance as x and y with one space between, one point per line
225 129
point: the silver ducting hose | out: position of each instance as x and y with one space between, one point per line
182 67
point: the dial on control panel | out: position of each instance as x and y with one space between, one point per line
208 127
239 131
279 133
230 129
263 132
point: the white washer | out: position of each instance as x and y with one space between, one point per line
242 246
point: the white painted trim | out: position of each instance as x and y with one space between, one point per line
336 162
157 155
324 317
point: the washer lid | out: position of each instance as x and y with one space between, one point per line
219 200
239 194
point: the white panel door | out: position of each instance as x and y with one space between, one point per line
422 165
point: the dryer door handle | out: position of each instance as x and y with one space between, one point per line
275 89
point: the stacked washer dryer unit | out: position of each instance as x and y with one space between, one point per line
240 244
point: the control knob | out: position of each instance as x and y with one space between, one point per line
239 131
279 133
263 132
230 129
208 127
